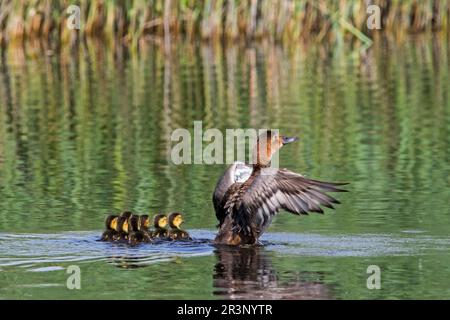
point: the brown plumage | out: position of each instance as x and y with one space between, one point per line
245 206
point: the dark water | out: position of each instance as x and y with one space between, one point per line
86 133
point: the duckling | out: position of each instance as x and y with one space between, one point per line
122 227
144 222
137 232
160 223
110 231
175 220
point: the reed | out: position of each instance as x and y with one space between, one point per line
283 20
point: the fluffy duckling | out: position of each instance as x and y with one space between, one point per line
110 231
160 223
137 231
122 227
144 222
176 233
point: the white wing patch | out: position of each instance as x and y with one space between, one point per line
242 172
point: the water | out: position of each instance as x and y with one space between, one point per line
89 133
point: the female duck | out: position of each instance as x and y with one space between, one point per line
248 196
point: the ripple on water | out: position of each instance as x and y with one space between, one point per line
38 252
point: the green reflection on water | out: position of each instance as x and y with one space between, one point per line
89 133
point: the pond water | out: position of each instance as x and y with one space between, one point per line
86 133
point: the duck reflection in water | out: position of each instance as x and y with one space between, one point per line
248 273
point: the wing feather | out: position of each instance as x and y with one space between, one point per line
274 189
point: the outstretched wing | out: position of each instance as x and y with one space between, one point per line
274 189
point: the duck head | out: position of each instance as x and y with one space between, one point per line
160 221
144 222
267 144
122 225
126 214
109 222
175 220
133 223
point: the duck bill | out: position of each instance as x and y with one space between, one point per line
286 140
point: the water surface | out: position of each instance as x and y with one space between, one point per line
86 133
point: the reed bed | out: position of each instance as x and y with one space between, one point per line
130 21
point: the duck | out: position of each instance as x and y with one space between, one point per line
110 224
175 233
137 232
248 196
144 222
121 225
160 223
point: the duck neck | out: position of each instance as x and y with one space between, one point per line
260 166
262 157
